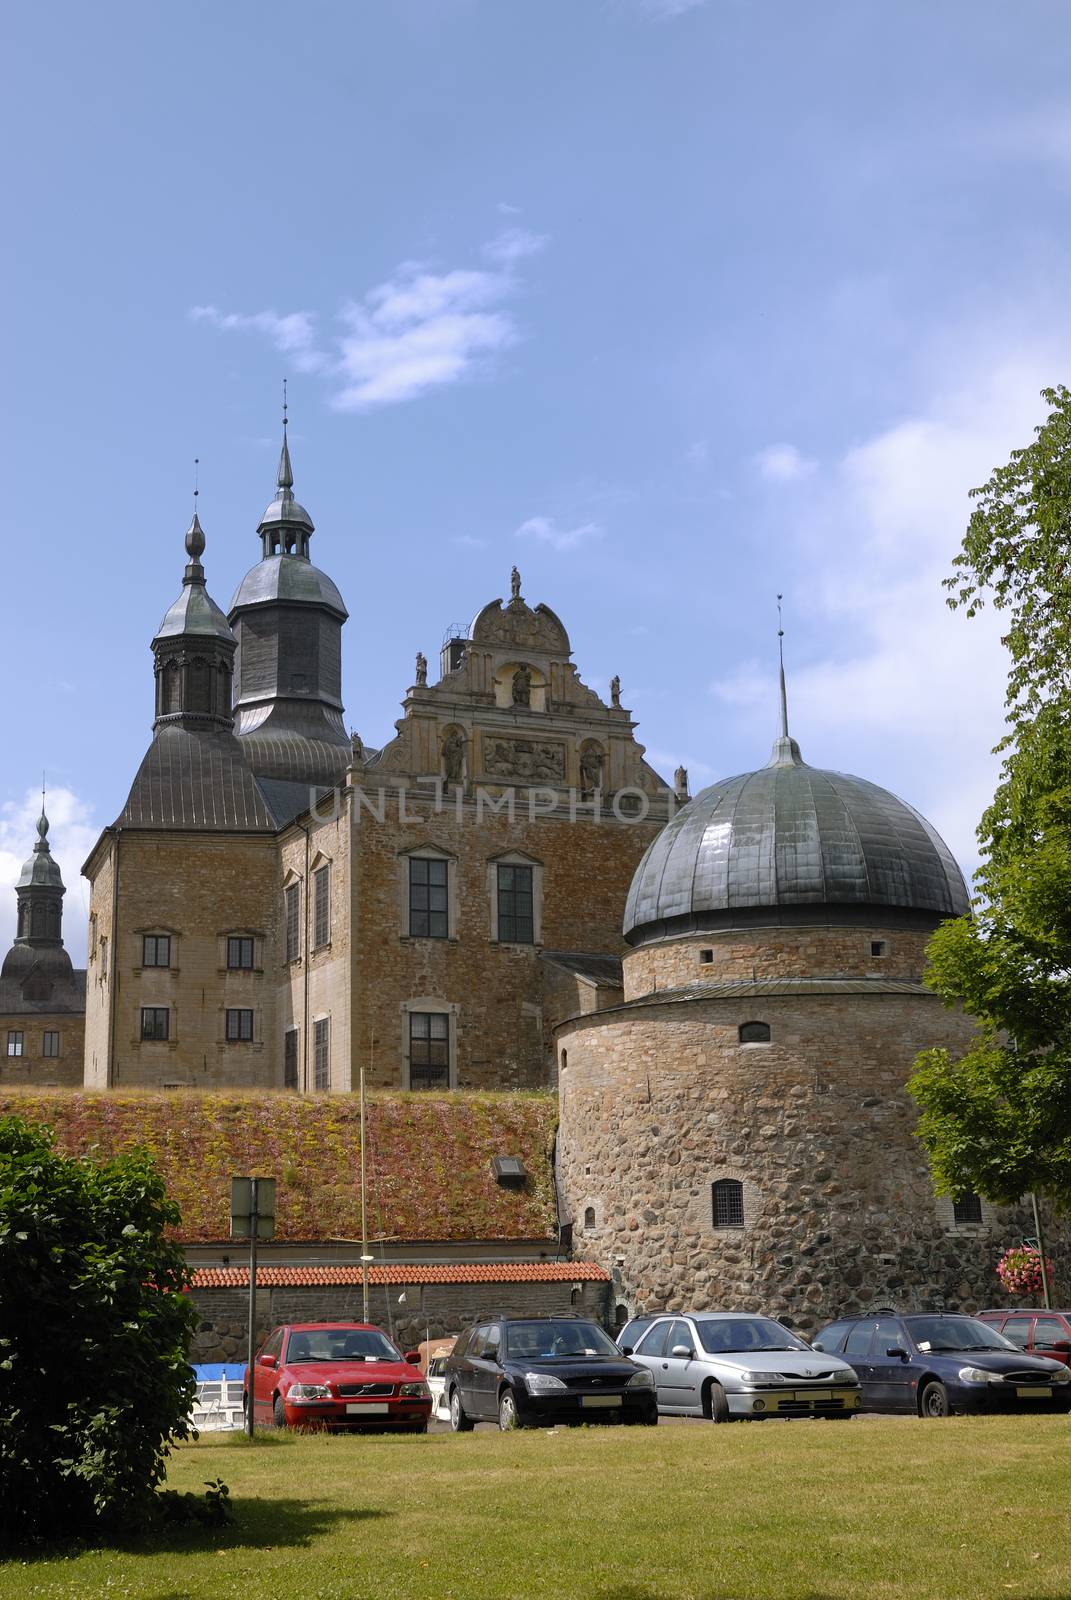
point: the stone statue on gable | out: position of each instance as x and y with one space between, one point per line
515 584
421 670
453 753
522 684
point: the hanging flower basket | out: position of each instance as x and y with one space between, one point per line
1019 1270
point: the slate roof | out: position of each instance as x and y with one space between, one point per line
198 779
603 971
68 992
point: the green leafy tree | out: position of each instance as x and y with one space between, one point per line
998 1120
95 1333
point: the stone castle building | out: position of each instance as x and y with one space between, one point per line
736 1130
279 906
42 996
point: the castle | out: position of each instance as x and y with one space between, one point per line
727 991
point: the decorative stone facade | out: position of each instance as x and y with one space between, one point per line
660 1100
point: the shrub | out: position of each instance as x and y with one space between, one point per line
95 1332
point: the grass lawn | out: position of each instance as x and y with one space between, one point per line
973 1507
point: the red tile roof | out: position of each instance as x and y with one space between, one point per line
324 1277
429 1157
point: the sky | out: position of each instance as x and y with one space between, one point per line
677 304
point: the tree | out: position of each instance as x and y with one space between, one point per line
998 1121
95 1332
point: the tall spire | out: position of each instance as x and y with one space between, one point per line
286 526
285 478
786 752
195 536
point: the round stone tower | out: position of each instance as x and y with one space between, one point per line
737 1134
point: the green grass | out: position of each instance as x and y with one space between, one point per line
971 1508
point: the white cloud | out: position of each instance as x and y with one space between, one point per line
782 463
419 330
697 453
72 834
547 531
470 542
898 688
507 210
665 9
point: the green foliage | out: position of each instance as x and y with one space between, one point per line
95 1332
999 1121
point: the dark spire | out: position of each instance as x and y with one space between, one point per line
194 648
286 526
786 752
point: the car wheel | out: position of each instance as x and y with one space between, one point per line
508 1420
458 1420
278 1413
933 1401
719 1405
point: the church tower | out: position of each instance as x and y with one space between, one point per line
42 997
287 616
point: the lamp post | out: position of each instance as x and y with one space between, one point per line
1046 1296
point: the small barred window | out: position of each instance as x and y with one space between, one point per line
728 1203
967 1210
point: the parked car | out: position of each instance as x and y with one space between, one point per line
1038 1332
934 1363
336 1375
725 1365
634 1329
436 1381
531 1370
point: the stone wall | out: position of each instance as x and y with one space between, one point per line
775 953
660 1100
434 1310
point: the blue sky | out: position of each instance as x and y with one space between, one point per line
674 304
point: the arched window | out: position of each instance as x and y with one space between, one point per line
565 1059
754 1033
727 1198
589 1216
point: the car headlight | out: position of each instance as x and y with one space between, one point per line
979 1375
641 1380
754 1379
300 1392
1063 1376
845 1375
415 1391
543 1383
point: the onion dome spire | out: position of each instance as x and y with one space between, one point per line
285 528
786 752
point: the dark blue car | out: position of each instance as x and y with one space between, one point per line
935 1363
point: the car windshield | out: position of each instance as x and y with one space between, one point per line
732 1334
548 1341
340 1344
956 1333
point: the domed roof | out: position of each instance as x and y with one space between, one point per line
195 611
287 577
40 870
792 843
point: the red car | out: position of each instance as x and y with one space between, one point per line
336 1375
1040 1333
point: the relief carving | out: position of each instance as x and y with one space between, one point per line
528 759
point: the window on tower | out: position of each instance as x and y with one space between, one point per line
292 909
727 1197
516 914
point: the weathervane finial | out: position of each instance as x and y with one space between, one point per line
781 657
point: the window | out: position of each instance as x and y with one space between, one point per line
831 1338
239 1024
14 1041
878 947
967 1210
754 1033
321 907
516 917
429 1050
428 903
104 961
156 950
50 1042
240 954
858 1341
706 957
728 1202
290 1044
321 1053
1017 1329
653 1342
1050 1332
889 1333
589 1216
292 904
155 1022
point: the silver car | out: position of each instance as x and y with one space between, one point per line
725 1364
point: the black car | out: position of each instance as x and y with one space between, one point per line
935 1363
524 1371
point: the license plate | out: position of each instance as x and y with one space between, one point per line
600 1399
813 1394
1034 1393
368 1408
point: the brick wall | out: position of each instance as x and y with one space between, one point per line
33 1066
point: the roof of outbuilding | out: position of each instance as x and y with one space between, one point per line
594 967
329 1277
429 1157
